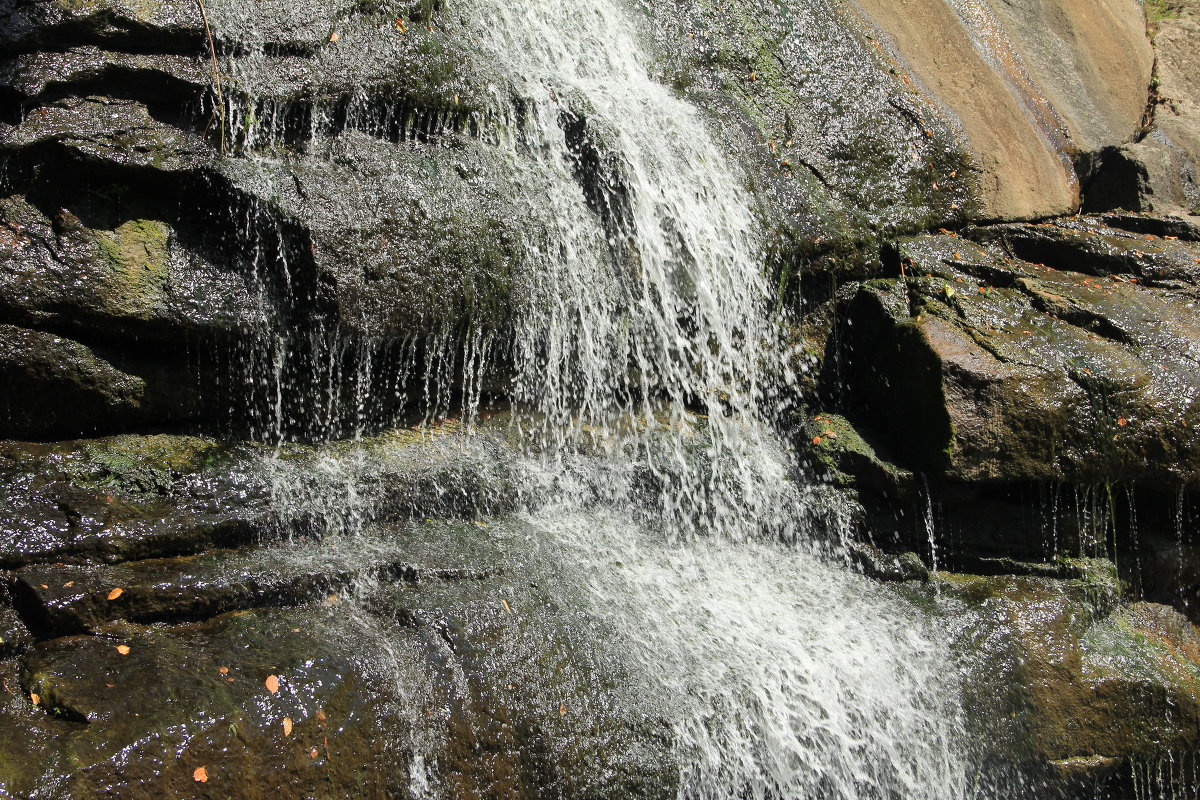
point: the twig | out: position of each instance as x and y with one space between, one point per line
212 49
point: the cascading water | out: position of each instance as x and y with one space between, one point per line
648 366
782 673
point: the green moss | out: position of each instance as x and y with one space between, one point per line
138 464
136 255
1159 10
1116 647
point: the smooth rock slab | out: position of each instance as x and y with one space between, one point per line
478 688
138 725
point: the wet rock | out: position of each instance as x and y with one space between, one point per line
118 131
140 723
61 600
1061 684
58 384
126 497
478 686
882 566
14 635
1075 366
884 498
529 691
1167 571
99 270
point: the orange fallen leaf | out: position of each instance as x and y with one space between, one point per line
223 670
321 714
44 586
200 775
272 684
287 726
35 698
333 37
68 584
312 753
123 649
115 593
816 440
1122 422
562 710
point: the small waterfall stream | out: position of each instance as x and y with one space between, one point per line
649 364
650 330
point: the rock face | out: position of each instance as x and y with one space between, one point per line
332 232
1033 86
1033 352
1024 390
1070 688
354 188
157 583
1158 171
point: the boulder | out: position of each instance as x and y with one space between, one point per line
1034 353
1076 691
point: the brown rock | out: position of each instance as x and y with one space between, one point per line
1031 87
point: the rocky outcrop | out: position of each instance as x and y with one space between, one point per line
346 178
1070 688
1158 171
1063 351
322 234
382 656
1022 390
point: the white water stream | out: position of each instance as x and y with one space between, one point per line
784 674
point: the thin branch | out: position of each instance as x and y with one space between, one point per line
212 49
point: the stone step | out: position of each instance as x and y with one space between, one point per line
57 600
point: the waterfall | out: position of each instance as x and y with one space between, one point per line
649 369
648 363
